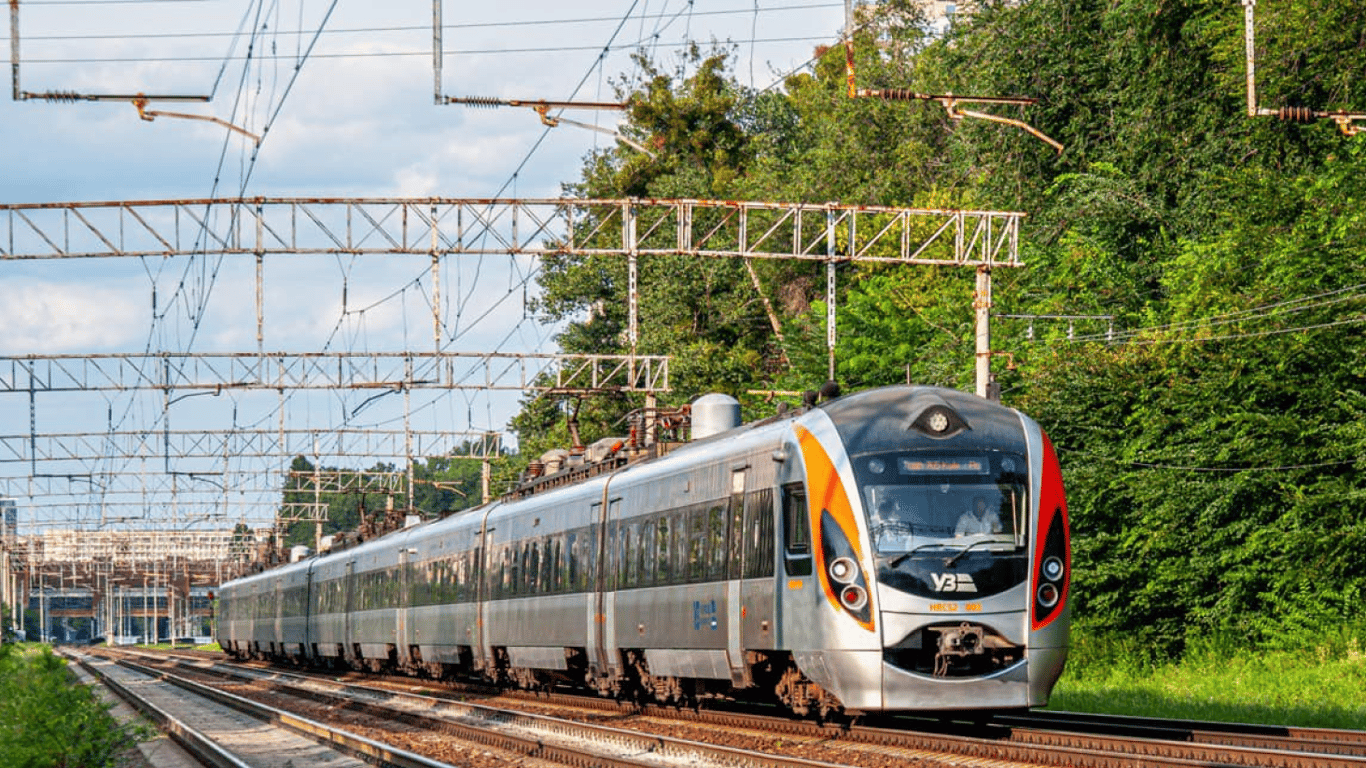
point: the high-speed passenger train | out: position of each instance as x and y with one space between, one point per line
903 548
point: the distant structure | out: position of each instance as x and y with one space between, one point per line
9 520
940 13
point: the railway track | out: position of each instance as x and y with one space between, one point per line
222 731
1045 738
416 723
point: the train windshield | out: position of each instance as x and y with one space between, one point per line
917 501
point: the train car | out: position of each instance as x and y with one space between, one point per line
903 548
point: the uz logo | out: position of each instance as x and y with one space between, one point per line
953 582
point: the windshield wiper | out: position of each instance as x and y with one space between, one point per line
949 563
901 558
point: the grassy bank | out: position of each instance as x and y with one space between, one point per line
48 720
1310 686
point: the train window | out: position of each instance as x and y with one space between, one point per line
697 541
736 541
590 557
630 542
717 546
545 573
660 549
500 586
758 534
554 563
533 567
616 558
796 531
522 584
571 571
459 573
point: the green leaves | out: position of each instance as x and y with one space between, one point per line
1210 450
46 719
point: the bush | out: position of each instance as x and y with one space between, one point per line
47 720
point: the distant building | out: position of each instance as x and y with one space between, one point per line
9 519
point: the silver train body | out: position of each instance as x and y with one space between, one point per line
818 558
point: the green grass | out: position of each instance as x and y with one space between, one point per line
46 720
1320 687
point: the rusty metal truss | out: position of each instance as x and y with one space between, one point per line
90 486
348 481
396 371
303 512
554 226
257 443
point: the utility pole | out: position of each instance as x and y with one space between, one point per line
981 304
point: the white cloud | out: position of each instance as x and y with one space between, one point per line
45 317
362 126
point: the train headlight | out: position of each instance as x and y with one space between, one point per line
1052 568
939 421
843 570
845 583
853 596
1047 595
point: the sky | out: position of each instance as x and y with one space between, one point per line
343 96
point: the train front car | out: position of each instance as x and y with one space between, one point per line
933 570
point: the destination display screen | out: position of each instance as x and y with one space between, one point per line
944 465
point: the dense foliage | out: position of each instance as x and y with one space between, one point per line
1209 417
46 721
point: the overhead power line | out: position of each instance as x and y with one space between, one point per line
458 26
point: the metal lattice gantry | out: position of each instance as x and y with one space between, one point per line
123 475
704 228
443 227
393 371
217 444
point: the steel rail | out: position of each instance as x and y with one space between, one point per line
335 738
1026 745
204 749
486 725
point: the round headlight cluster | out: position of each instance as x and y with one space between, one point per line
1052 568
843 570
939 421
1048 593
853 596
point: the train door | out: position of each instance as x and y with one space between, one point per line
737 597
484 567
595 560
349 601
277 620
402 644
797 589
309 612
607 566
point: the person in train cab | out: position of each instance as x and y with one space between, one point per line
977 520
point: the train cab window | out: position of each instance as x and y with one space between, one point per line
796 531
928 500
